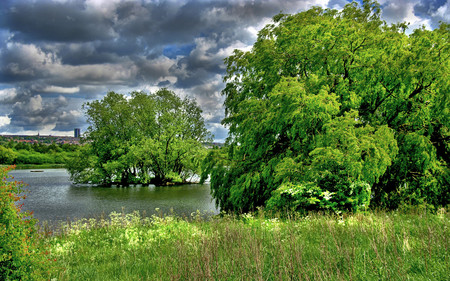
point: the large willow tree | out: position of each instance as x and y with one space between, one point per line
336 109
143 138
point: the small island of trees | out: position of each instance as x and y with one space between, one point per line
144 138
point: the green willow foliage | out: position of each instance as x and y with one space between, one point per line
335 110
144 138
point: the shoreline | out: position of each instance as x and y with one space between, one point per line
36 166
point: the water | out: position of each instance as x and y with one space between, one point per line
52 197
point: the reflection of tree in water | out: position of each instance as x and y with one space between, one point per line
183 199
52 197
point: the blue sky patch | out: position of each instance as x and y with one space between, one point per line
172 51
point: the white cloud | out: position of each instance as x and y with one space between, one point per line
203 46
70 114
35 103
30 60
443 12
4 120
225 52
158 68
218 130
253 30
104 6
403 11
8 94
62 90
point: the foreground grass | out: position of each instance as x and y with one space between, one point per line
374 246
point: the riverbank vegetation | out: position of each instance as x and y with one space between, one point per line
396 245
21 257
36 155
143 138
369 246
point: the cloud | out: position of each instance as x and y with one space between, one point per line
433 10
23 62
31 113
219 132
417 13
62 90
68 21
4 120
7 94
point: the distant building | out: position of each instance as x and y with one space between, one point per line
76 132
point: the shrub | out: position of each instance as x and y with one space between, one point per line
310 197
20 258
7 155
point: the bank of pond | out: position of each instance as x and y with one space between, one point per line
369 246
185 244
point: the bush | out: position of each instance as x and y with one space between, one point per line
31 157
310 197
20 258
7 155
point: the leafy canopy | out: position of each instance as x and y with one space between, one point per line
140 139
335 110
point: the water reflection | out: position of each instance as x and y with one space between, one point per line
52 197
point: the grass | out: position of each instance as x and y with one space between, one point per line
372 246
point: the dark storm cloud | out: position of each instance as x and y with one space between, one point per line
53 21
77 50
133 32
32 112
22 63
86 53
163 84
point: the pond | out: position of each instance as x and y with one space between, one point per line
52 197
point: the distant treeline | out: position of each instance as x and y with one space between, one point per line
18 153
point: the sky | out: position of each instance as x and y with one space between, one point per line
56 55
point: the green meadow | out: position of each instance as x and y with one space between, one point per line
370 246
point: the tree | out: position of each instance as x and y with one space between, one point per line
332 109
7 155
139 139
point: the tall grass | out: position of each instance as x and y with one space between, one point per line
372 246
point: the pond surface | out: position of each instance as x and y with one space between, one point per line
52 197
